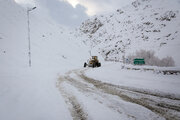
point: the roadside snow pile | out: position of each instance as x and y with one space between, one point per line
29 93
151 25
137 79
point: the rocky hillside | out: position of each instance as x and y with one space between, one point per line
144 24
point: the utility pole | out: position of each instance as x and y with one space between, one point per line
29 39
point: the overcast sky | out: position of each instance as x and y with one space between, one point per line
73 12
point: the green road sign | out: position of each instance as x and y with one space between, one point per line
139 61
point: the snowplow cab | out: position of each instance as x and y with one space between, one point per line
94 57
93 62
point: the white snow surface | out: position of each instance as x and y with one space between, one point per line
30 93
137 79
96 107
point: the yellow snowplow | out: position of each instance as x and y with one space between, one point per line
93 62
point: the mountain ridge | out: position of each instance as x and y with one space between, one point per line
144 24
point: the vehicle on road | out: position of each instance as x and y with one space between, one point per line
93 62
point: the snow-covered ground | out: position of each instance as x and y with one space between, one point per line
139 79
110 92
56 87
30 93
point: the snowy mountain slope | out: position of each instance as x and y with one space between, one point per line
144 24
46 37
29 93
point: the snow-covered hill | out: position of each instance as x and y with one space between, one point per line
49 42
29 93
144 24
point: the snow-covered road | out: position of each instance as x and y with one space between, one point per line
88 98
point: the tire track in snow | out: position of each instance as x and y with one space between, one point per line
85 87
75 108
164 108
90 91
159 104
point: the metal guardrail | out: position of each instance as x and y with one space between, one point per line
165 72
